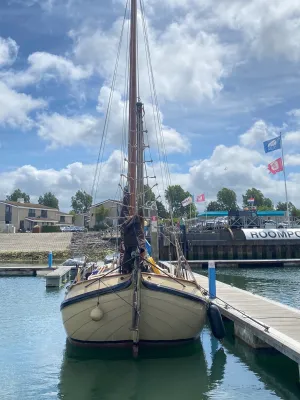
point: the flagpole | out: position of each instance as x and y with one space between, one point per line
286 195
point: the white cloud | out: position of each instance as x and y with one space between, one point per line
65 131
15 107
292 138
63 183
189 63
294 113
292 159
258 133
45 66
8 51
234 167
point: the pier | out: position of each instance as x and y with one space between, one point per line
58 277
258 321
241 263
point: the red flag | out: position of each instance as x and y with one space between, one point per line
275 166
200 198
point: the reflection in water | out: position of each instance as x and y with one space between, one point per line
158 374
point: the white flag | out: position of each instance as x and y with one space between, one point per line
187 201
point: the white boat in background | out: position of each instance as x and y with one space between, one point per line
134 299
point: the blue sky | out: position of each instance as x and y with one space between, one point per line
226 74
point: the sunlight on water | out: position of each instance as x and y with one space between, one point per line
37 363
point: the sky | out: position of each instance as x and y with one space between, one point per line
226 74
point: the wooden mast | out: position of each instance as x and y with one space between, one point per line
132 134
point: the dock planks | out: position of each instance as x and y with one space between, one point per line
283 322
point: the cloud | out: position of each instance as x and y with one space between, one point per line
292 138
45 66
8 51
65 131
292 159
64 182
189 63
234 167
15 107
258 133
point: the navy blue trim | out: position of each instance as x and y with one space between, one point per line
95 293
120 343
175 292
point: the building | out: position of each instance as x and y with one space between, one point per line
25 216
113 207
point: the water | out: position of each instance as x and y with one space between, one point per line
36 363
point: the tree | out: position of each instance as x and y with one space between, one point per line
161 210
214 206
150 197
18 194
226 198
281 206
101 213
81 202
48 200
175 195
256 194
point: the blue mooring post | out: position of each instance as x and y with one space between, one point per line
50 259
212 280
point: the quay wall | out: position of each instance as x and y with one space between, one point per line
224 246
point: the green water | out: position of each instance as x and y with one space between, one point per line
36 362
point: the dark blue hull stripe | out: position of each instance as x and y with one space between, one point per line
96 293
174 292
124 343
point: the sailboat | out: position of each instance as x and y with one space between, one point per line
135 300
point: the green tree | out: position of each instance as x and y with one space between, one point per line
48 200
175 195
81 202
18 194
256 194
227 199
150 196
101 213
161 210
214 206
295 212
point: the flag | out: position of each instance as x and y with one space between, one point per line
275 166
200 198
187 201
272 144
251 200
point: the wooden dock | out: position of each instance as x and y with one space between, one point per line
258 321
24 270
243 262
58 277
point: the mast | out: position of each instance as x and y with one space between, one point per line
132 133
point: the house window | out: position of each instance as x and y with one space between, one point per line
31 212
44 214
62 219
8 209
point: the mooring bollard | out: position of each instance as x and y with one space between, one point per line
212 280
50 259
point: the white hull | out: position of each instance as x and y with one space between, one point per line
169 312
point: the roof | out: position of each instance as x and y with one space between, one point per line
107 201
28 205
64 214
32 219
259 213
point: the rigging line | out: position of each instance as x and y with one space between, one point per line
152 98
155 97
105 127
